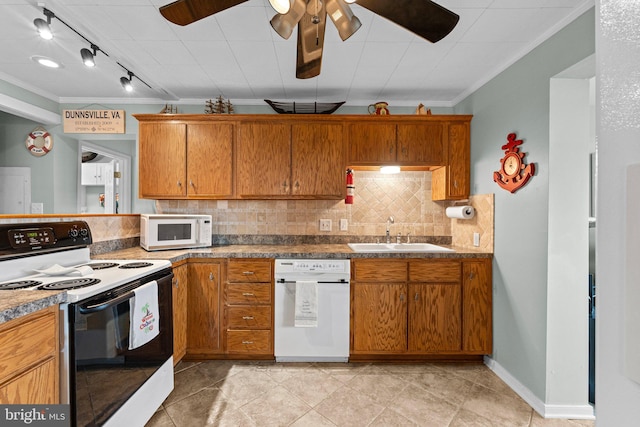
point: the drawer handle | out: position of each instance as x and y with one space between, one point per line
247 342
247 317
247 294
248 273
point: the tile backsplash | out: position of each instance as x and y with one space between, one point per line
405 196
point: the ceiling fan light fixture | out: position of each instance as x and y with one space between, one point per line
281 6
284 24
343 18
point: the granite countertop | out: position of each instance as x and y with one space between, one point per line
18 303
330 251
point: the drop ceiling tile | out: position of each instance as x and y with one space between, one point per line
245 24
258 62
168 52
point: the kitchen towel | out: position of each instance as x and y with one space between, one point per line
460 212
144 314
306 304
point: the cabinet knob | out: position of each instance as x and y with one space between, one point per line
401 297
248 273
416 297
211 276
297 186
176 284
472 275
247 294
191 183
179 184
247 342
247 317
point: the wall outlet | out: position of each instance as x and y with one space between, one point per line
476 239
343 224
37 208
325 225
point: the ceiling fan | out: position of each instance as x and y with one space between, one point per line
422 17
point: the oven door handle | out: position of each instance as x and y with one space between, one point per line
87 308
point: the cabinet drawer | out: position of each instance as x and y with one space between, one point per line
249 317
249 293
248 271
434 271
249 342
27 343
380 270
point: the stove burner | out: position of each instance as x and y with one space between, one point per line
71 284
101 265
20 285
139 264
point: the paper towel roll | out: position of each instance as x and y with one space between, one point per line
460 212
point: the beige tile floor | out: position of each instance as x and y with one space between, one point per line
232 393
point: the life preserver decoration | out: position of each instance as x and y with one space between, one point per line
39 142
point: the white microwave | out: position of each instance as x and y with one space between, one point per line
158 231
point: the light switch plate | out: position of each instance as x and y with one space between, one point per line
344 225
37 208
476 239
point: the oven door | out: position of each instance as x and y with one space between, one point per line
104 373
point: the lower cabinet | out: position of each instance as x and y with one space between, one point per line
180 310
29 361
248 311
421 307
204 308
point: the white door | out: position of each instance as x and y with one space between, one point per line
15 190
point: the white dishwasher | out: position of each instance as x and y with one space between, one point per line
325 284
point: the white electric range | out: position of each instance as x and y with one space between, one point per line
103 379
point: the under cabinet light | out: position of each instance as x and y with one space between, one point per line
389 169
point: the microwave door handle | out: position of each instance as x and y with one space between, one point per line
87 308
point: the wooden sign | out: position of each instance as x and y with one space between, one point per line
93 121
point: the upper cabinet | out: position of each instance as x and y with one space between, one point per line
299 160
303 156
185 160
400 143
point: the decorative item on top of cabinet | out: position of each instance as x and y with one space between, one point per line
420 110
248 309
378 108
514 172
29 359
180 297
204 309
219 106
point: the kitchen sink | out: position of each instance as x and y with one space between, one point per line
397 247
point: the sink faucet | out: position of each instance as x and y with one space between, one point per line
389 222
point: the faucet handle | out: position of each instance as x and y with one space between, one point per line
408 237
398 238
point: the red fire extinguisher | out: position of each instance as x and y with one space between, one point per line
350 188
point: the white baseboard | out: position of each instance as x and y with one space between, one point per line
574 412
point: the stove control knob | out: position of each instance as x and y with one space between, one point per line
84 232
73 233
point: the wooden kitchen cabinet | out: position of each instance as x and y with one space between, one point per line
248 308
420 308
283 160
452 182
179 294
29 359
204 308
397 143
185 160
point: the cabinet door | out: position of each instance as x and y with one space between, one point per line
203 314
210 159
372 143
477 334
92 174
379 317
180 284
459 159
39 385
434 317
421 144
263 159
317 160
163 160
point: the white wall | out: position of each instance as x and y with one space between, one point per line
567 282
618 132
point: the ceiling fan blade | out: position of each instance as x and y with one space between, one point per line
185 12
422 17
310 43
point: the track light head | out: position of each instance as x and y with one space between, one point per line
126 82
88 57
43 28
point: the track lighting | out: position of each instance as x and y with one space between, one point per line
43 27
343 18
282 6
88 57
126 82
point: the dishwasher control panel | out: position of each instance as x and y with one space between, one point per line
312 266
